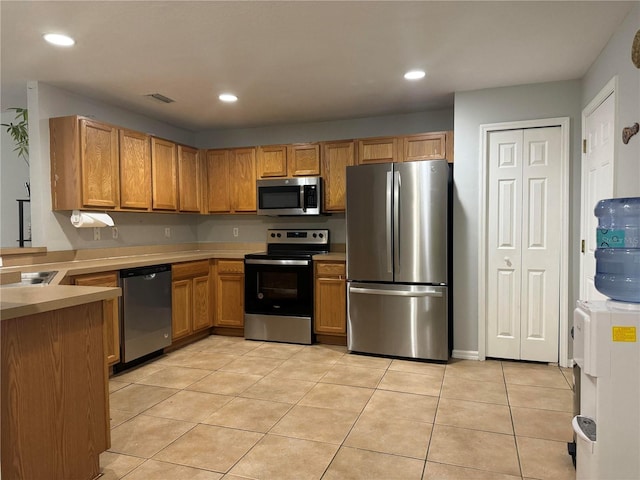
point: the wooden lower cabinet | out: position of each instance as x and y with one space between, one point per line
229 293
330 299
110 311
55 396
190 297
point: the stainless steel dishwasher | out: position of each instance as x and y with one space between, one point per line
145 311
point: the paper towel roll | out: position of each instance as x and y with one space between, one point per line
90 219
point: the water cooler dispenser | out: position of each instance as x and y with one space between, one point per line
606 347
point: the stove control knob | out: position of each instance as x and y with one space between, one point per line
273 235
279 235
321 235
314 235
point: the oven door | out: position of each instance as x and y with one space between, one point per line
278 287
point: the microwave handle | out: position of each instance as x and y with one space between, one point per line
302 199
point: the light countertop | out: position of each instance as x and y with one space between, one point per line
22 301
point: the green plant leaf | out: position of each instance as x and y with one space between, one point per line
20 132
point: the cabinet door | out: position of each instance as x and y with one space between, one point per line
378 150
331 305
242 176
424 147
181 308
201 303
218 193
229 300
135 170
163 174
336 157
99 160
110 312
304 160
272 161
189 179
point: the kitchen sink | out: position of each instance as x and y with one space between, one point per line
34 279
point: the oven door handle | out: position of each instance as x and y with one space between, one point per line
293 263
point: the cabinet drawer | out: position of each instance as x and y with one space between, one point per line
189 269
230 266
326 268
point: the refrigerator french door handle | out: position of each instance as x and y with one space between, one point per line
388 220
397 293
397 184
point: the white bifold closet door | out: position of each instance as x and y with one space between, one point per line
523 244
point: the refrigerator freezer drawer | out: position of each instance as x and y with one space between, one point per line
399 320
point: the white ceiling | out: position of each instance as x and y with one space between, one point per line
296 61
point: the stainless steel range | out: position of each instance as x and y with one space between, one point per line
279 286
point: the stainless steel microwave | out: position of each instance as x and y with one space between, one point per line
289 196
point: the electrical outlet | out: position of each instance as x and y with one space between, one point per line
114 232
167 232
235 231
96 233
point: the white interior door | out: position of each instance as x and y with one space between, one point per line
523 264
597 183
504 244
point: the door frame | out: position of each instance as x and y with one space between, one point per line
485 130
611 88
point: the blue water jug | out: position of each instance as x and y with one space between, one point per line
618 223
618 249
618 273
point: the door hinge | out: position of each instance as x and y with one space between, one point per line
584 145
582 246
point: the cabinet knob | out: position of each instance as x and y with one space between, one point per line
507 260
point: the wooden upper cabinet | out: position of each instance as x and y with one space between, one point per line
303 160
272 161
336 157
189 180
135 170
164 172
84 164
217 181
378 150
297 160
99 159
242 178
430 146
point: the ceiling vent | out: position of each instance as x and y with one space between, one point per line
160 97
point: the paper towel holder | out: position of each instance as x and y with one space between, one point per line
93 219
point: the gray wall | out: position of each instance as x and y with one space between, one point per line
475 108
615 59
431 121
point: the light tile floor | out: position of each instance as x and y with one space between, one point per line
230 408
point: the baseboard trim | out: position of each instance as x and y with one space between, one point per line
465 354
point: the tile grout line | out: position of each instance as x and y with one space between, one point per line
513 425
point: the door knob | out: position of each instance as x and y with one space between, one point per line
507 260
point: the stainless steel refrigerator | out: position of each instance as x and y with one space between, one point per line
398 259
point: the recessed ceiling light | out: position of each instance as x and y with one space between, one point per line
228 97
414 74
59 39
